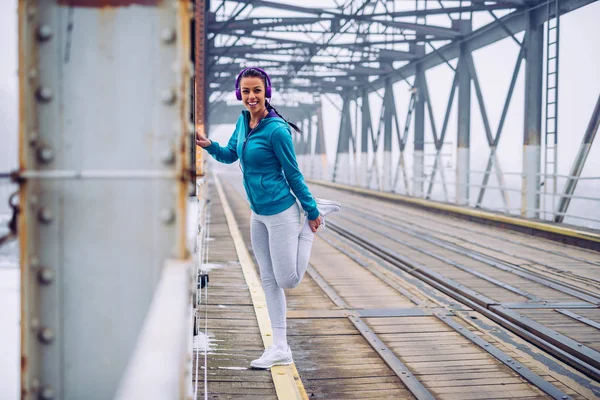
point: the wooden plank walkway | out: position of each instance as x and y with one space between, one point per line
360 328
233 335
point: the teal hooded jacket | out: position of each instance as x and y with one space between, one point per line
269 165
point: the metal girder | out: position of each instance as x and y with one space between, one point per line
579 163
419 29
223 113
447 10
515 22
532 132
82 272
252 24
288 7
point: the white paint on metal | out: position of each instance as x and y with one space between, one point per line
387 171
364 169
530 198
462 175
418 169
343 169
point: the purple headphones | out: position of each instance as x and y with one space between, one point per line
238 91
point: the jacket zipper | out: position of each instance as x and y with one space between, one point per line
244 168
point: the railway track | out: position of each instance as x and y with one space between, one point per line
446 314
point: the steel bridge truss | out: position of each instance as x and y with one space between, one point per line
354 48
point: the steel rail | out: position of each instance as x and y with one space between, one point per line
577 356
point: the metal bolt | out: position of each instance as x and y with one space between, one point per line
167 216
509 360
579 344
518 367
44 33
45 275
34 262
31 11
168 35
169 96
47 393
168 157
45 215
45 155
486 345
46 335
33 138
33 201
33 73
565 397
44 94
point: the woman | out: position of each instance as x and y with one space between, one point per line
262 141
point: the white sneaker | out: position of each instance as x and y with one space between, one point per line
326 207
273 356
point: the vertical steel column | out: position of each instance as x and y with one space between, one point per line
389 111
463 163
464 130
342 160
365 131
320 148
309 147
582 154
419 144
200 90
534 44
93 235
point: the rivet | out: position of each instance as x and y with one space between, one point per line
44 33
521 315
45 154
33 138
167 216
45 275
46 335
45 215
486 345
31 11
47 393
509 360
169 96
34 262
518 367
168 157
281 373
33 201
579 344
44 94
565 397
167 35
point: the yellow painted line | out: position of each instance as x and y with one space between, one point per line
288 384
542 226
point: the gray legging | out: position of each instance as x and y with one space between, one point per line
282 251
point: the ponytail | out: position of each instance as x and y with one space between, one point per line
270 107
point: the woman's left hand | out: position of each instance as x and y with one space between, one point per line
315 223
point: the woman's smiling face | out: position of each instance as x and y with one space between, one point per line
253 94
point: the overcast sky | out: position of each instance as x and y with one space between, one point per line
579 88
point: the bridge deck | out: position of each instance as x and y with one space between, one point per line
401 303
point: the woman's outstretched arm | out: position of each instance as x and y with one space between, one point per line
227 154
